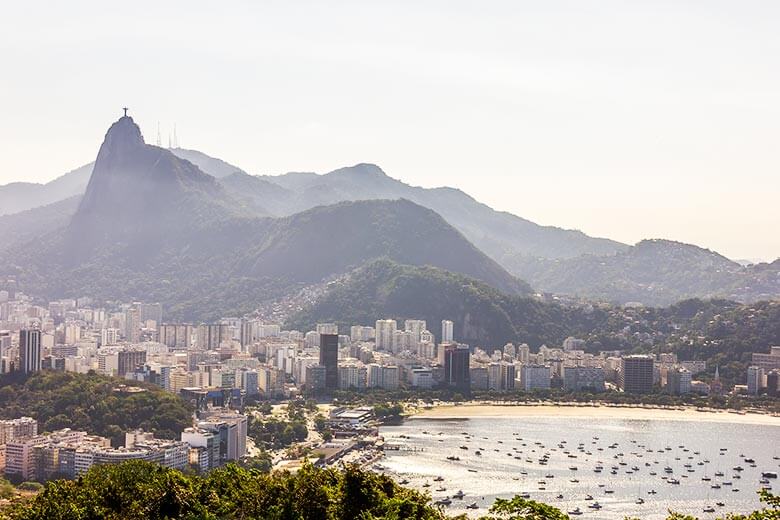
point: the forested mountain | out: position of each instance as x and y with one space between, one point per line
483 316
154 226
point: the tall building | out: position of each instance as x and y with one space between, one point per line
5 351
755 379
327 328
329 358
211 335
150 312
446 331
534 377
678 381
175 335
583 378
773 383
29 350
385 332
129 360
768 361
456 366
133 323
416 327
636 374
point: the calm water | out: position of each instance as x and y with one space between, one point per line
507 445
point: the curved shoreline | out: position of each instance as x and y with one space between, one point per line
590 410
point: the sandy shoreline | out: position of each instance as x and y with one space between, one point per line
578 410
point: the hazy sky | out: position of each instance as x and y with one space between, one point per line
626 119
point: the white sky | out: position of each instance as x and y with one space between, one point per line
626 119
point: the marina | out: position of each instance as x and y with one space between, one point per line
605 468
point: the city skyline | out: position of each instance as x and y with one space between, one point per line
667 135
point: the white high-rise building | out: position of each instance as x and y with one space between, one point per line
755 376
523 353
327 328
416 327
385 330
29 350
446 331
534 377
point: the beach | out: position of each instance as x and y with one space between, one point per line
580 410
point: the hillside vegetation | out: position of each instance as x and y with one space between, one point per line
88 402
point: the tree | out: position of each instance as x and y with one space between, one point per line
521 509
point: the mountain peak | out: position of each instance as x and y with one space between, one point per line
123 135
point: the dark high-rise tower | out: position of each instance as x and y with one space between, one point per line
29 350
636 375
456 366
329 358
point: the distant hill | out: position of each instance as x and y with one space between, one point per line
483 316
152 225
26 225
211 165
21 196
497 233
653 272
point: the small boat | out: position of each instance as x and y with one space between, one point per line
439 479
588 497
769 474
652 492
595 505
559 496
708 509
472 471
453 457
459 495
443 502
472 505
609 491
441 489
524 495
720 504
575 511
639 500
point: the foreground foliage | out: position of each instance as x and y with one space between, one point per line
140 491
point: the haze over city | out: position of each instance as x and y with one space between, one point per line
626 120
